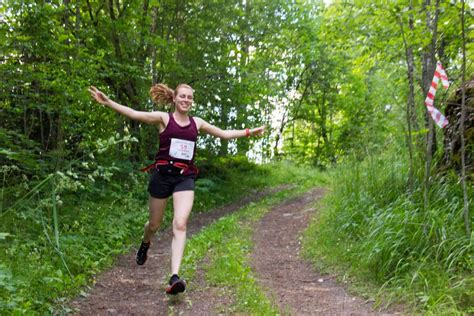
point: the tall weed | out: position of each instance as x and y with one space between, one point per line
380 230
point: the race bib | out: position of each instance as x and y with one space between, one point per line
181 149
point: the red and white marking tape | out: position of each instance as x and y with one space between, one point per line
439 118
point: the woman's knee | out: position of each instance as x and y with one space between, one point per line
179 224
153 226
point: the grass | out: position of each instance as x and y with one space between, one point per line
42 272
227 245
374 230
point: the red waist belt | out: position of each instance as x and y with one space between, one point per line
185 168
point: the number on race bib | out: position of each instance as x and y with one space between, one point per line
182 149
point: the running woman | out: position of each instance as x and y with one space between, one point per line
174 172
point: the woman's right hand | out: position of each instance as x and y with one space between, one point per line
99 96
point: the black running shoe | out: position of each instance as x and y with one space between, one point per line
141 253
176 285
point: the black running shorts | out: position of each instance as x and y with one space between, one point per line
162 186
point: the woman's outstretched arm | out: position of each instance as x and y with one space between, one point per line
210 129
145 117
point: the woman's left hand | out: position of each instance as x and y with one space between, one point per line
258 131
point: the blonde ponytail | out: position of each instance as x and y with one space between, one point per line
161 94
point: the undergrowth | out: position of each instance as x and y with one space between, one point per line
373 228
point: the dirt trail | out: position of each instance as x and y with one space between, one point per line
289 281
129 289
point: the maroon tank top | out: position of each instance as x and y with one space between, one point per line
178 143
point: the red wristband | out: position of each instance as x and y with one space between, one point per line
247 132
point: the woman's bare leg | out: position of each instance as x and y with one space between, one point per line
182 205
156 208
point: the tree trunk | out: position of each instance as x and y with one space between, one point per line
154 23
466 214
224 122
279 135
429 65
410 108
323 127
244 42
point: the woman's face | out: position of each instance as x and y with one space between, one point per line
183 99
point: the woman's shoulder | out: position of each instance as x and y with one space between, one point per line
198 121
160 117
160 114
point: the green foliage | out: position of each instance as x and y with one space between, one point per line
54 50
221 173
383 233
67 239
347 85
